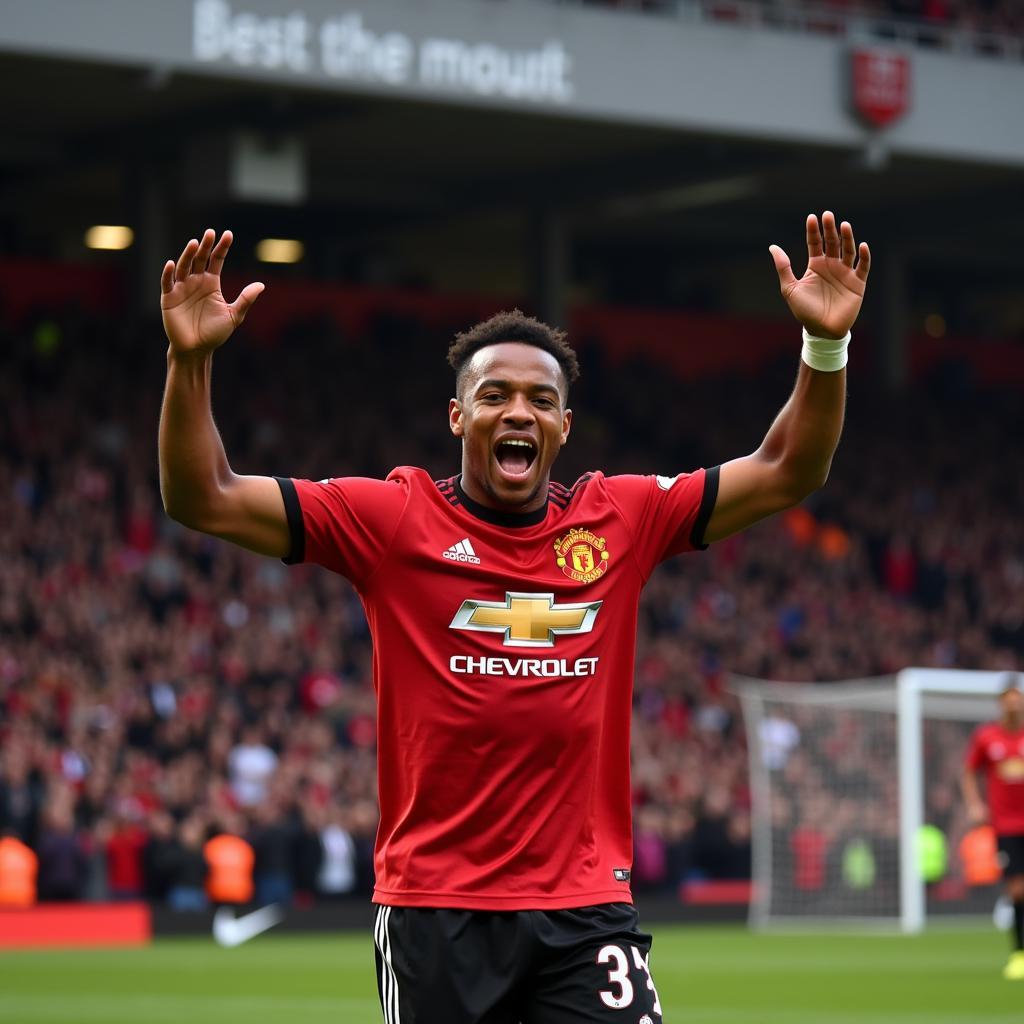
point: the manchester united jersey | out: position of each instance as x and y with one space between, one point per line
503 668
1000 754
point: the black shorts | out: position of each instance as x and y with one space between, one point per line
1011 854
583 966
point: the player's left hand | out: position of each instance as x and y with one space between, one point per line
827 299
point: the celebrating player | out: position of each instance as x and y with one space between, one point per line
997 749
503 609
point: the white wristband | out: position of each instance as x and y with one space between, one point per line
828 354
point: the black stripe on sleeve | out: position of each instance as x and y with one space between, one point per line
296 527
579 485
707 506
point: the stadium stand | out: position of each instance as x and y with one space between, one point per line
157 686
980 17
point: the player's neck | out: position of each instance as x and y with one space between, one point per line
480 495
1012 723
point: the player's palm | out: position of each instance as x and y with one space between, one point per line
827 299
196 316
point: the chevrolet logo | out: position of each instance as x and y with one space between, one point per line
527 620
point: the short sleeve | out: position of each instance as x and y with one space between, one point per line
346 524
976 757
667 515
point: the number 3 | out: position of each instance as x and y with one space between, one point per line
619 975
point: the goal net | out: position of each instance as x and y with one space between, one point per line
843 777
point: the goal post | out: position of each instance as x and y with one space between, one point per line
842 777
918 690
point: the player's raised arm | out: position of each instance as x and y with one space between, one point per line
196 482
795 456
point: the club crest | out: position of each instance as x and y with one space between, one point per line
582 556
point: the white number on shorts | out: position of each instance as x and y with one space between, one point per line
617 975
643 963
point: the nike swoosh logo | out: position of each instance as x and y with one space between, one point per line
231 931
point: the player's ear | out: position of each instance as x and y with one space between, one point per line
566 424
455 417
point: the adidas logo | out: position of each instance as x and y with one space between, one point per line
462 552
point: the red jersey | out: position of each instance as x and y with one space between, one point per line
1000 754
503 666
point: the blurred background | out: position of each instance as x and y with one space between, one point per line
395 171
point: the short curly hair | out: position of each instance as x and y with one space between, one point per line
513 325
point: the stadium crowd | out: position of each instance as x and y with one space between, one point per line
157 686
992 18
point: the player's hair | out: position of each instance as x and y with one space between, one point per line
1011 681
512 325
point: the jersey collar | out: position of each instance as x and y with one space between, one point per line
490 515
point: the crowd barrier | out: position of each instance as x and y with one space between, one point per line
109 925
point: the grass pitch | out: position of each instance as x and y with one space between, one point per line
705 975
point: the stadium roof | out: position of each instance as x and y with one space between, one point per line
80 135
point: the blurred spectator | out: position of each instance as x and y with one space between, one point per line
187 868
809 847
19 794
18 869
63 865
900 568
229 866
778 737
679 844
251 765
97 869
650 868
337 872
717 853
273 836
159 856
125 845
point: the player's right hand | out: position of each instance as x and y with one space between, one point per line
197 317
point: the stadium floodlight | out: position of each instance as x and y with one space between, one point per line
843 778
109 236
279 250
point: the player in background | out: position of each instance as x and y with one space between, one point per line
997 750
503 611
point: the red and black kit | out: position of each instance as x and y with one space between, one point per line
503 667
999 753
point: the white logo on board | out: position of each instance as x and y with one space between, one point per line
229 930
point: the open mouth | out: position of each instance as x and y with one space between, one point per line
515 456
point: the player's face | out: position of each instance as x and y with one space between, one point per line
512 420
1012 704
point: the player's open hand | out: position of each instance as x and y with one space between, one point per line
197 317
827 299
